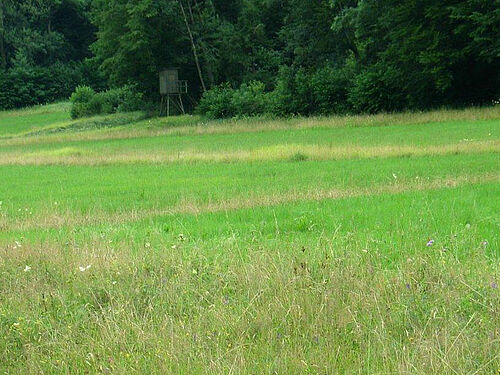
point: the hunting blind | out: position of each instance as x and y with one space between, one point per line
171 90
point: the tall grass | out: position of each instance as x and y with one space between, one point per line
278 313
340 245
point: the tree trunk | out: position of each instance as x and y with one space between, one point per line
193 45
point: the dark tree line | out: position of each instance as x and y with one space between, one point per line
44 50
296 56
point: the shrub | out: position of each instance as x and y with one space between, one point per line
250 99
330 89
25 85
130 100
86 102
81 102
82 94
218 102
378 89
323 91
289 96
223 101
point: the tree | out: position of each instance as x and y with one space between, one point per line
191 39
444 50
3 55
138 38
43 45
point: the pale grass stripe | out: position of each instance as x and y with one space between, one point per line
75 156
50 219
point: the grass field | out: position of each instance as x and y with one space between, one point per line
334 245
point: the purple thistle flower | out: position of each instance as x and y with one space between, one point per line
407 286
430 243
494 285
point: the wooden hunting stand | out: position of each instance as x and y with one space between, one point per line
171 90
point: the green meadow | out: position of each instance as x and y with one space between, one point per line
327 245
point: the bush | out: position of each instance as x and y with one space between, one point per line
26 85
378 89
223 101
323 91
330 88
250 99
291 92
217 102
130 100
81 100
86 102
82 94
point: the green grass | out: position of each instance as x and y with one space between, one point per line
405 135
55 119
23 121
277 247
113 189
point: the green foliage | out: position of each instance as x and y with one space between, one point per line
82 94
43 47
81 100
27 85
223 101
136 40
92 75
250 99
330 88
446 51
323 91
218 102
315 57
42 33
86 102
378 90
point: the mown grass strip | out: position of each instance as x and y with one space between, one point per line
47 220
292 152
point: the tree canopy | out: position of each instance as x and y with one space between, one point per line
317 56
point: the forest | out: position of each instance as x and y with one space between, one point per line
251 57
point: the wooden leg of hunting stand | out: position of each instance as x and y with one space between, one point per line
182 105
